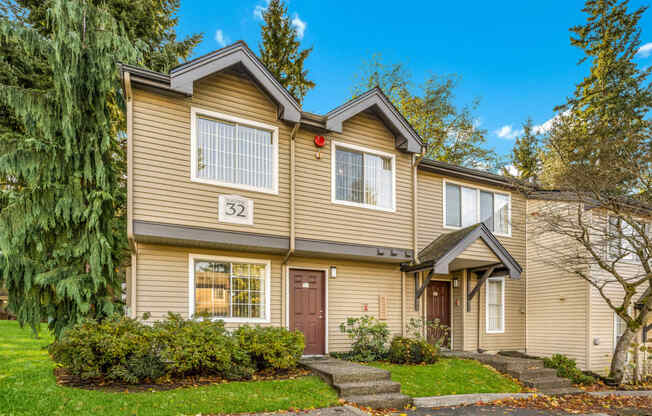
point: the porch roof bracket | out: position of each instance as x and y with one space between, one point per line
418 291
477 287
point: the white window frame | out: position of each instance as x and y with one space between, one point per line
391 157
477 210
630 257
191 286
502 301
196 112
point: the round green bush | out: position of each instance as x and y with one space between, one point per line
412 351
126 350
271 347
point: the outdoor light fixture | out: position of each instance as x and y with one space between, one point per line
456 282
333 272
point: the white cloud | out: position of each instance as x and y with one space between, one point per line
299 25
544 127
511 169
508 132
645 50
221 39
260 9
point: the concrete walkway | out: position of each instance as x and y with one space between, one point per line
469 399
363 385
530 372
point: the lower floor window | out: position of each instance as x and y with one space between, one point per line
229 289
495 305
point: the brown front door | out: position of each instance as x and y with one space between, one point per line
308 308
439 307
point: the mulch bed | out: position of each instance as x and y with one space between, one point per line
68 380
583 403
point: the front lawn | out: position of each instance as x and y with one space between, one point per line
448 376
27 387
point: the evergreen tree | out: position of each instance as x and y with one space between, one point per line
602 132
600 151
60 198
525 155
279 51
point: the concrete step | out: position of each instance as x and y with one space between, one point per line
381 401
342 372
367 387
561 391
546 382
360 376
533 373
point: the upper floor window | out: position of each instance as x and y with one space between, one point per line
620 236
465 206
363 177
232 152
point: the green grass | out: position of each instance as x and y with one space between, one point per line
27 387
448 376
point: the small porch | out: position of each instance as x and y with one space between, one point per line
460 279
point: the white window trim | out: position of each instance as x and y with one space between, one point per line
391 157
191 286
194 113
477 199
486 306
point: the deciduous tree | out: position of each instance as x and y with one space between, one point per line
451 134
599 155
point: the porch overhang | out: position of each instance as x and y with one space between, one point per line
439 257
439 254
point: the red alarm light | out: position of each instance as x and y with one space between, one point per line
320 141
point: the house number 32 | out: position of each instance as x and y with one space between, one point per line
236 209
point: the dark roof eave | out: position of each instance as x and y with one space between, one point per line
462 172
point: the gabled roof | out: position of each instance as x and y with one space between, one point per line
445 248
182 77
238 56
406 138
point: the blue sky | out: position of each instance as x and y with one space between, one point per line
513 55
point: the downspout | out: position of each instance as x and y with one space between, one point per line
415 206
130 185
284 271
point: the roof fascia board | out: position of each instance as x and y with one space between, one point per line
376 99
183 77
462 174
441 267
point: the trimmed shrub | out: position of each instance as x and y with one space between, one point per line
271 347
190 347
412 351
369 337
114 349
567 368
126 350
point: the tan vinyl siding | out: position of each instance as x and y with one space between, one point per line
430 217
163 279
470 325
357 284
162 189
478 250
457 313
557 299
320 219
163 284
